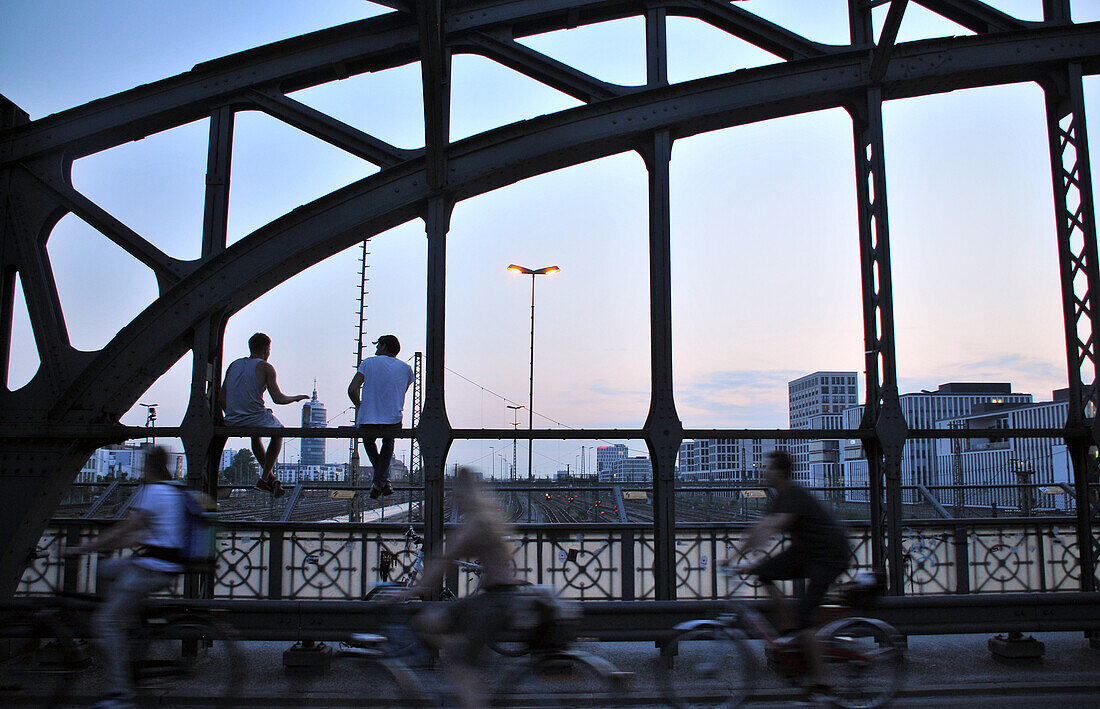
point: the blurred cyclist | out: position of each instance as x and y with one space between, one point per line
818 552
460 630
157 521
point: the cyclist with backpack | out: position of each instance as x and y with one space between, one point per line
162 519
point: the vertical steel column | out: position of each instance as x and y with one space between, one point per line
434 433
202 447
1077 257
663 429
10 116
882 413
203 450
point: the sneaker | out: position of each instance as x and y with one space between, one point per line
265 485
278 490
375 492
387 489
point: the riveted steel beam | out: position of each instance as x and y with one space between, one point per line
881 55
368 45
1080 278
54 176
882 412
663 429
328 129
433 430
502 49
751 28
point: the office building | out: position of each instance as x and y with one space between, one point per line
126 462
816 401
728 460
606 455
1020 473
920 464
638 469
313 416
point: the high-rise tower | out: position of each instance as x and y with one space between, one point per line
313 416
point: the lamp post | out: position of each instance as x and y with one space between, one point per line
544 271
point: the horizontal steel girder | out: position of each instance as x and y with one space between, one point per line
653 620
369 45
157 337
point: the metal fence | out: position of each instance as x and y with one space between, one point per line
310 561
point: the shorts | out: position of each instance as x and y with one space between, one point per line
260 419
793 564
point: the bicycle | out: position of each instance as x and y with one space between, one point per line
716 666
388 589
393 667
52 656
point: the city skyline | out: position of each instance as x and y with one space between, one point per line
763 292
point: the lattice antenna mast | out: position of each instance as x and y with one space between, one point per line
415 463
956 469
353 453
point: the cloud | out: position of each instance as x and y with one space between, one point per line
1026 373
750 398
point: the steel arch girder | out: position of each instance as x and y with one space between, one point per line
155 339
367 45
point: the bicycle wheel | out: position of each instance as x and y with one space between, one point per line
173 655
713 668
563 679
864 661
374 680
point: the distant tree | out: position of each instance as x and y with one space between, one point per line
242 470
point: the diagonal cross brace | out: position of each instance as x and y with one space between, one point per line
881 56
504 50
753 29
168 270
974 15
328 129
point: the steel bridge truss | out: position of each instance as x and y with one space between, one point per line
74 402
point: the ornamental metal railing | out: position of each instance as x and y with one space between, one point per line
329 561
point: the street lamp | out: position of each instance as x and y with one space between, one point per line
544 271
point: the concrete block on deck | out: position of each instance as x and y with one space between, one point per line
1015 646
307 658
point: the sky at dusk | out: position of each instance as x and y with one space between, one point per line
764 231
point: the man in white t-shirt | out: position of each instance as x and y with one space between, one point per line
157 520
378 392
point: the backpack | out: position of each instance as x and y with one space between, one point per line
198 551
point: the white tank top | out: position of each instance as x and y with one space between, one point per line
244 395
